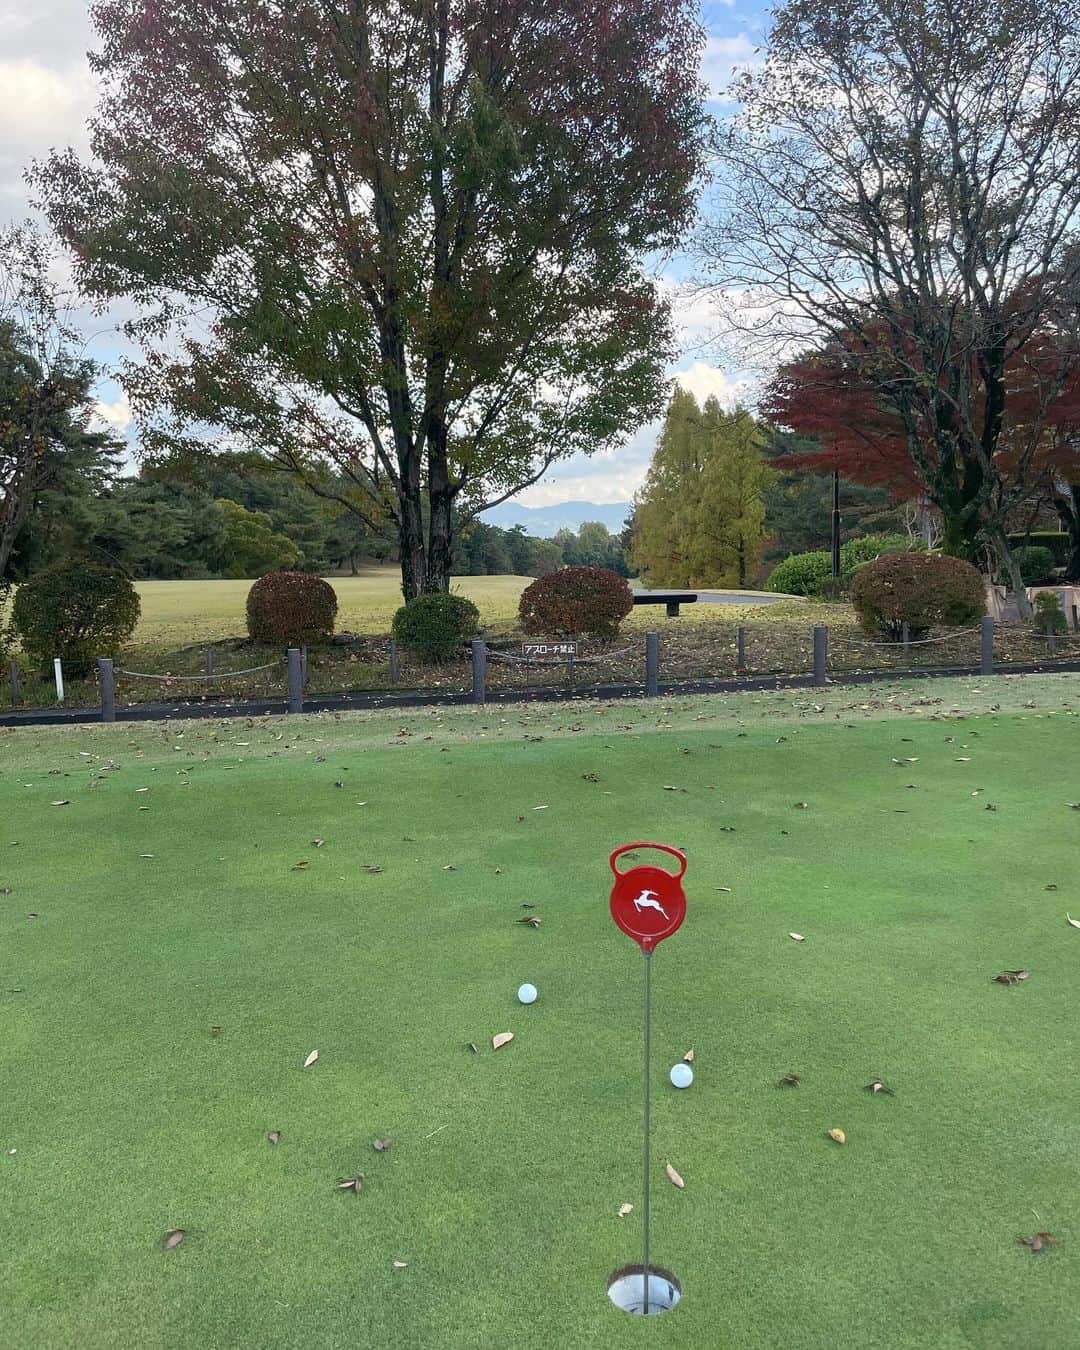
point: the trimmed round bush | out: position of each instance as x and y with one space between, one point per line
291 609
77 610
920 589
434 626
801 574
576 600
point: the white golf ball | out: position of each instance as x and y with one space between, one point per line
527 993
682 1075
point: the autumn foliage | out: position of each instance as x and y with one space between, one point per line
291 608
574 600
919 589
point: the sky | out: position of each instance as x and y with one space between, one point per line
47 92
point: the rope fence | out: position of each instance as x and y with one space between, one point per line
217 675
900 642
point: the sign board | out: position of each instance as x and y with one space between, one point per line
647 901
541 649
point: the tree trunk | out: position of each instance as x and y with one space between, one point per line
1068 508
1016 582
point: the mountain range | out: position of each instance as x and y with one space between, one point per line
543 522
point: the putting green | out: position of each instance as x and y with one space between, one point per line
125 1115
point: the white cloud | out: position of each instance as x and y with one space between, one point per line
723 58
42 106
116 415
705 381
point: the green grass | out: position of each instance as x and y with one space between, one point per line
128 1117
182 612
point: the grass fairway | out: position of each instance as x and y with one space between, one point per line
180 612
128 1117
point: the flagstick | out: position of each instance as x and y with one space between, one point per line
645 1205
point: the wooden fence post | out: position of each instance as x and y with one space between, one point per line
821 653
107 685
652 664
986 645
296 681
479 670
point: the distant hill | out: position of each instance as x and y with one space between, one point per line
543 522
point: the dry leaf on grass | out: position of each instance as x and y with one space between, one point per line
800 806
789 1080
1011 976
674 1177
300 866
317 842
689 1057
1037 1241
624 1210
837 1136
797 937
503 1038
311 1059
372 869
876 1086
173 1238
274 1136
381 1145
400 1265
354 1184
1075 923
474 1047
532 920
65 802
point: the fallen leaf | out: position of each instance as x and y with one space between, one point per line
990 806
1051 886
354 1184
789 1080
381 1145
624 1210
372 869
1075 923
674 1177
474 1047
1012 976
963 759
300 867
274 1136
688 1058
146 855
725 889
311 1059
539 808
876 1086
503 1038
837 1136
449 867
1038 1240
65 802
591 777
400 1265
1075 805
797 937
533 920
173 1238
215 1031
317 842
800 806
670 787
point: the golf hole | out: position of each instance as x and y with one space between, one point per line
626 1289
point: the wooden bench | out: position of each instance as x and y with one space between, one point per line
673 599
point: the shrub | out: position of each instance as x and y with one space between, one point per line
1048 611
291 609
921 589
575 600
77 610
1057 541
867 547
1036 566
434 626
801 574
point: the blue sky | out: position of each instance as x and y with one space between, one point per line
47 92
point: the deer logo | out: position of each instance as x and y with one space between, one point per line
650 900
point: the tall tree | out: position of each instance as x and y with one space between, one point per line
50 451
903 181
700 517
414 228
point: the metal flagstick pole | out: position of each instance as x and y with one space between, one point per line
645 1196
